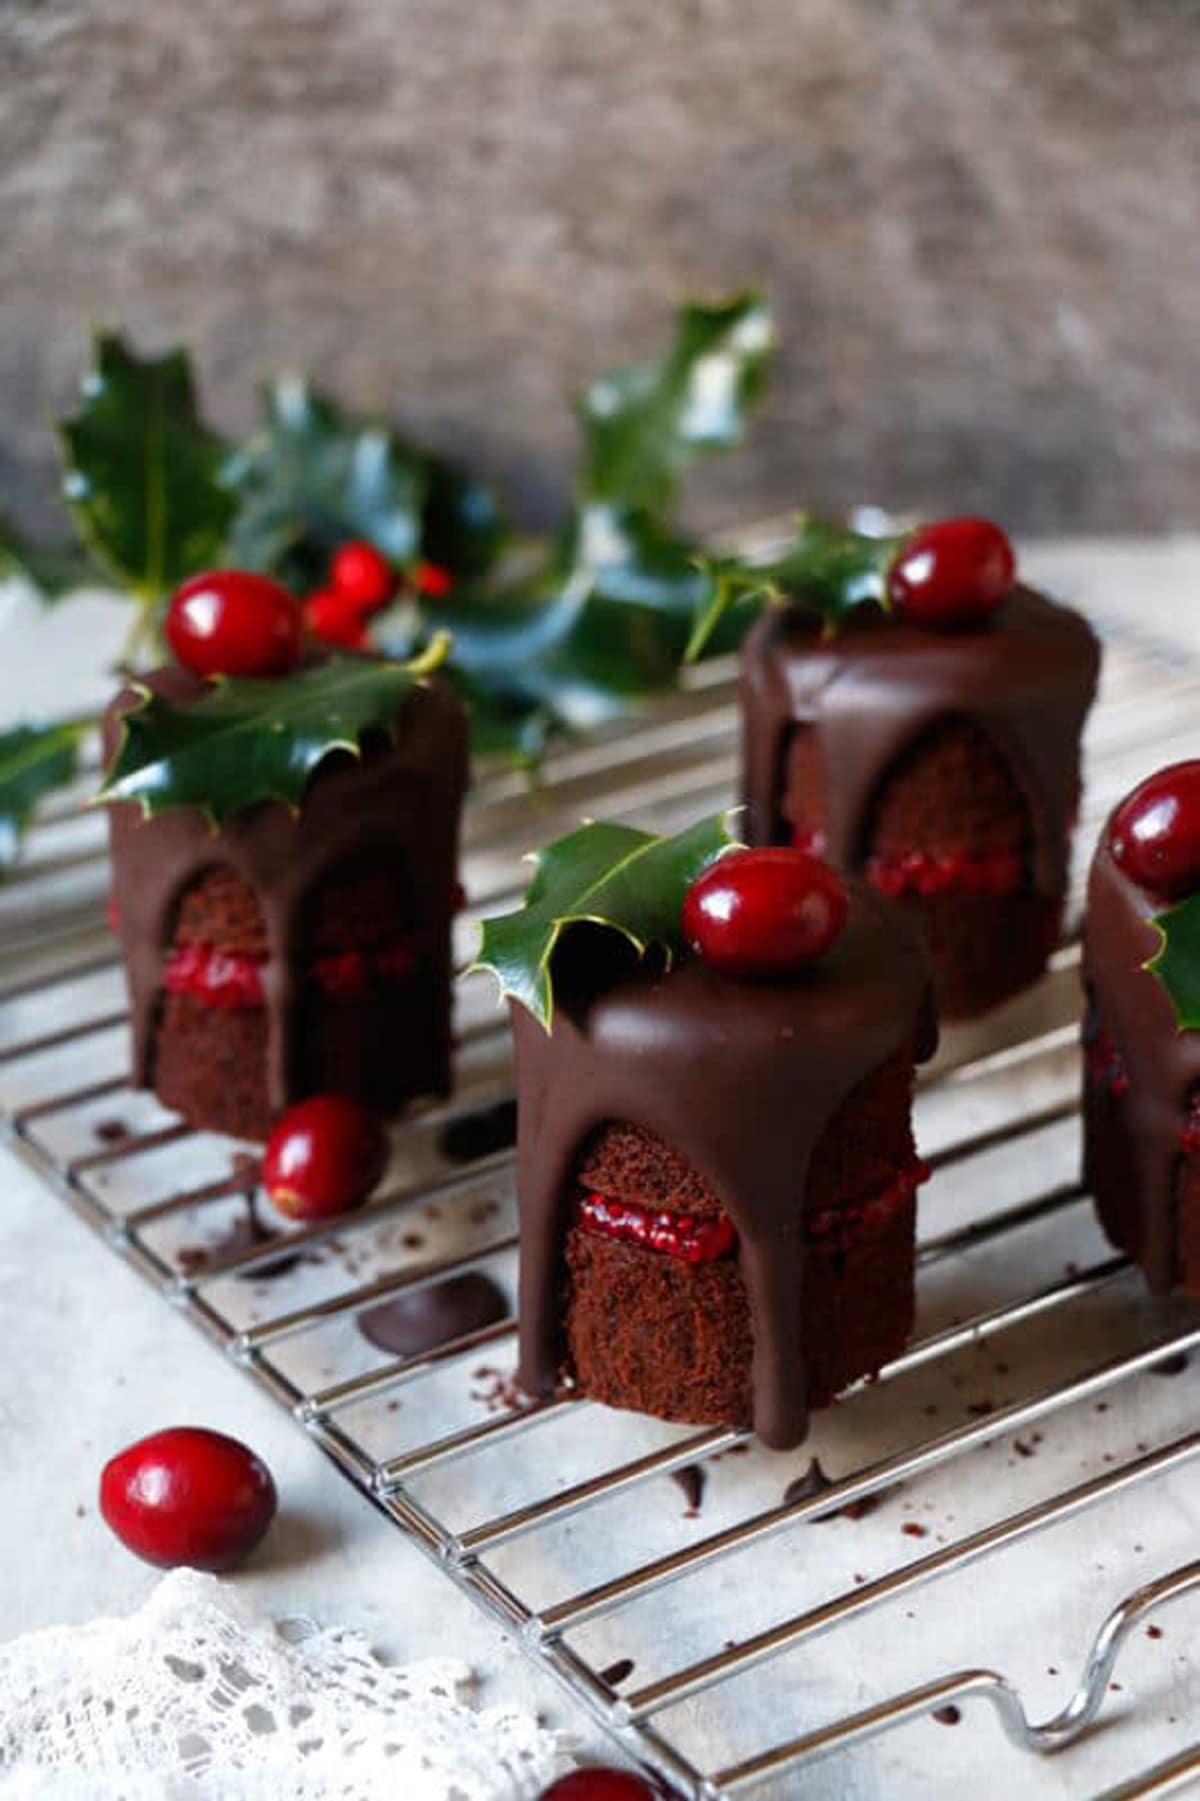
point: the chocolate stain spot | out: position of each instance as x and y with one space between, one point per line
618 1672
418 1321
914 1529
1154 1632
1022 1449
412 1241
111 1131
1174 1365
948 1715
691 1479
479 1134
981 1409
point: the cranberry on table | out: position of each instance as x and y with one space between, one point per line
231 622
362 575
601 1785
764 912
335 620
1154 834
188 1496
952 572
324 1157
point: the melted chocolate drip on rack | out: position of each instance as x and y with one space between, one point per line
401 798
745 1077
1026 677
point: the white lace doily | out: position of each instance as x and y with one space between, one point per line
196 1697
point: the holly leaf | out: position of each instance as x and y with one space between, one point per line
463 526
603 874
1177 960
249 741
644 424
827 568
314 477
142 470
34 761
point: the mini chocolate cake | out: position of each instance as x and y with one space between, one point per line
941 764
1141 1089
288 953
717 1175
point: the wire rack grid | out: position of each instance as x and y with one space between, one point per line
741 1646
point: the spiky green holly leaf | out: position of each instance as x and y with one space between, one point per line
603 874
142 470
34 761
314 477
828 568
643 425
1177 960
248 741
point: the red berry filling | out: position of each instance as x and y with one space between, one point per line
844 1221
928 872
693 1238
232 982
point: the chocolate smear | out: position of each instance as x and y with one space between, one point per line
948 1715
422 1319
691 1479
618 1672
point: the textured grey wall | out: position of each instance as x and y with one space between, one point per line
977 219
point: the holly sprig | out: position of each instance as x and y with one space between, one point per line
34 761
605 875
828 568
1176 963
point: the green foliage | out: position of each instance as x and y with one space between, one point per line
34 761
1177 960
608 875
142 470
827 568
249 741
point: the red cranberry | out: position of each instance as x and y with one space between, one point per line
324 1157
432 580
764 912
188 1496
1154 834
335 620
951 573
230 622
362 575
601 1785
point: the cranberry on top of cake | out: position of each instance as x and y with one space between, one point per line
1141 970
716 1172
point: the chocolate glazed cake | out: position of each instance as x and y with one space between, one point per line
941 764
1141 1093
290 953
717 1177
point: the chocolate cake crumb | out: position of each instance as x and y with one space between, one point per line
1022 1449
618 1672
981 1409
914 1529
948 1715
111 1131
1154 1632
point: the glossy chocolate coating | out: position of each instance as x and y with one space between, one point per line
742 1077
1162 1063
1026 676
401 798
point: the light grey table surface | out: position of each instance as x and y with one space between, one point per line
93 1359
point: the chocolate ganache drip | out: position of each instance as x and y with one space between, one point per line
1026 676
400 799
741 1077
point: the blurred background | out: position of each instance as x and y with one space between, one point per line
977 225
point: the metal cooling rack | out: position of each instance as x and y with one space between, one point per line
550 1514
